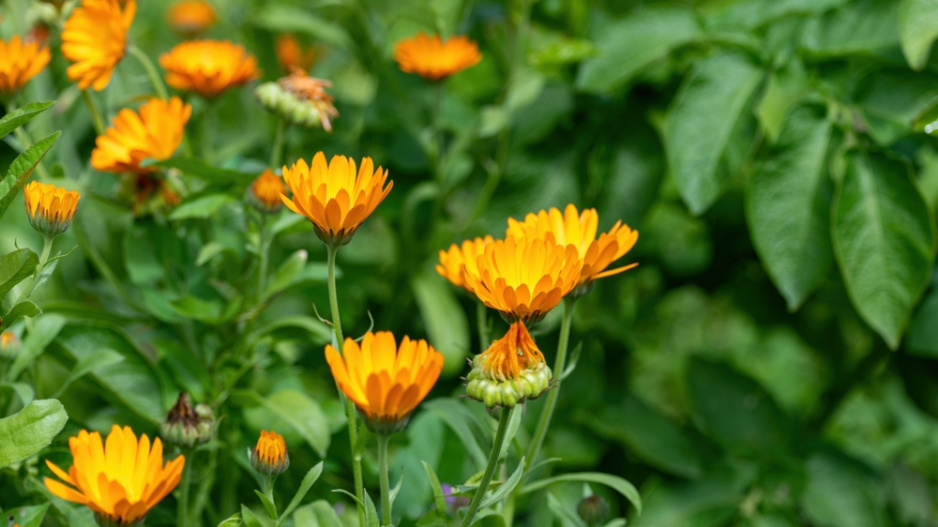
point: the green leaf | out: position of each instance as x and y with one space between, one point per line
567 516
232 521
205 172
616 483
922 338
20 170
201 207
447 327
21 116
883 241
296 270
317 514
788 206
918 28
282 18
26 308
458 417
267 503
841 493
651 436
505 488
16 267
252 520
23 391
700 121
28 516
439 500
28 431
861 27
302 413
371 513
308 480
102 359
735 410
627 46
41 334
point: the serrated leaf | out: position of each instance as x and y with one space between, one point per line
20 170
700 121
918 28
16 267
28 431
21 116
788 203
883 241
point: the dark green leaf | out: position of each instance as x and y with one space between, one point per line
28 516
28 431
26 308
616 483
20 170
506 487
699 124
439 500
447 327
864 27
21 116
252 520
16 267
458 417
918 28
317 514
840 492
41 334
922 338
788 206
205 172
200 207
883 241
303 413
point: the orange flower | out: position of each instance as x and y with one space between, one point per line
432 58
292 56
50 209
523 278
20 62
453 262
191 17
385 382
579 230
264 193
208 67
154 132
334 197
94 39
270 456
120 480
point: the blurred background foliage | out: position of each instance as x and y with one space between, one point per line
772 361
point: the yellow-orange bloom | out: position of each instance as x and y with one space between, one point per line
579 230
270 455
432 58
208 67
19 62
523 278
291 54
153 132
453 262
94 38
335 197
121 479
264 193
50 209
191 17
386 382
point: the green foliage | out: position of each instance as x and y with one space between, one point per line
30 430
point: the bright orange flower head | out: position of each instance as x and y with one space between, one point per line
264 193
432 58
121 479
335 197
453 262
19 62
50 209
95 38
270 455
579 230
523 278
386 382
153 132
208 67
292 56
191 17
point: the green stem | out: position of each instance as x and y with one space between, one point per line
482 324
182 512
263 249
438 139
95 113
207 154
34 279
559 364
383 475
331 252
155 79
490 468
276 153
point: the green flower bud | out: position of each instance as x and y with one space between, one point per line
187 426
593 510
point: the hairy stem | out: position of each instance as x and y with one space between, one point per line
503 420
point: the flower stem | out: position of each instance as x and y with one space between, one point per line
482 323
331 252
503 420
207 153
276 153
182 512
95 113
559 364
383 475
34 279
263 249
154 76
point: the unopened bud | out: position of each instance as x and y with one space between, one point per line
593 510
187 426
270 456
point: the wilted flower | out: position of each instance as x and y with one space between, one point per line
270 456
191 17
120 480
299 98
335 197
291 54
208 67
94 38
453 262
19 62
510 370
187 426
386 382
432 58
50 209
154 132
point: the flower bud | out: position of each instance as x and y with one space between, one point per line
270 456
299 98
50 209
593 510
187 426
264 193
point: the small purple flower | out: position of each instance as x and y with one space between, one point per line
453 501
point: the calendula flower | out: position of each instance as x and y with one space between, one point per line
50 209
153 132
510 370
208 67
120 480
335 197
579 230
94 38
386 382
270 456
191 17
433 58
291 54
300 98
453 262
264 193
523 278
19 62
